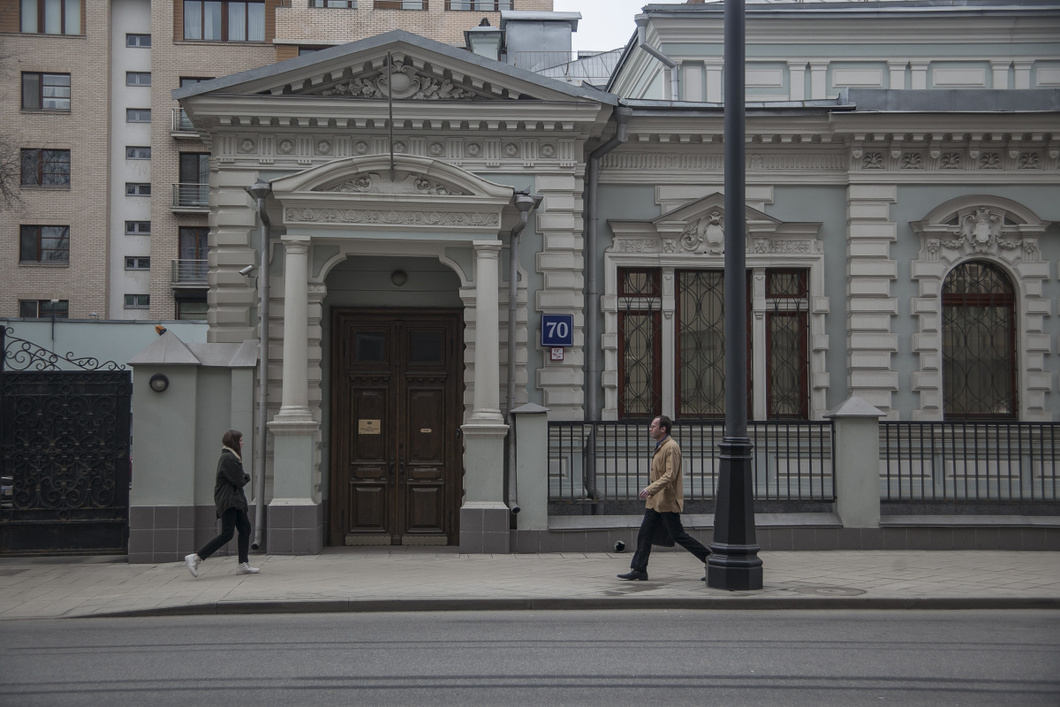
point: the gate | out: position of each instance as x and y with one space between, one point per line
64 452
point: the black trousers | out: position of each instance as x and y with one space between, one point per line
672 523
231 520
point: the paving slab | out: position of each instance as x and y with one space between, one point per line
418 579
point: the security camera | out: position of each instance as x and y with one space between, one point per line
247 270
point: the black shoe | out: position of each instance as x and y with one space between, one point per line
635 574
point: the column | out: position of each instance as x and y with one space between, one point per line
485 521
295 520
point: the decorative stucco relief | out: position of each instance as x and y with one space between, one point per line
403 183
404 82
980 230
391 217
937 158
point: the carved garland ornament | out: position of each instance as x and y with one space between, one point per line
392 218
979 230
402 83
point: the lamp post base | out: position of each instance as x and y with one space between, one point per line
734 567
734 563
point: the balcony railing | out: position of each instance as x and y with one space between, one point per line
181 126
969 462
607 463
191 197
189 273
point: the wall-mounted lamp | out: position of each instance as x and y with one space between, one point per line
159 382
399 278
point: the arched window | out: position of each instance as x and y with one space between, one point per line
978 343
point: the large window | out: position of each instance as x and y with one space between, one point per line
43 308
194 243
45 168
780 343
42 91
639 345
479 5
50 16
44 245
978 343
400 4
224 21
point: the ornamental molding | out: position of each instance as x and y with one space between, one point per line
403 183
698 229
404 83
978 226
391 217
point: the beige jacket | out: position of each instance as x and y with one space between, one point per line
666 491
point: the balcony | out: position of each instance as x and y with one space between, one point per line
188 274
181 127
191 198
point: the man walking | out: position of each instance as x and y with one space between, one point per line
665 498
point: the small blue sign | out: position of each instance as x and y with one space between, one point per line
557 330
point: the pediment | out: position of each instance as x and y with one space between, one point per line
698 228
398 65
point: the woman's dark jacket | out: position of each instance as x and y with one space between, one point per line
228 491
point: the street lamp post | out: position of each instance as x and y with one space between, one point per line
259 192
734 562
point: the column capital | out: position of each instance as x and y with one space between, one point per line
487 249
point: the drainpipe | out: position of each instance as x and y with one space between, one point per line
525 203
592 297
260 191
592 280
670 64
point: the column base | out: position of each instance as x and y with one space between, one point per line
484 528
295 526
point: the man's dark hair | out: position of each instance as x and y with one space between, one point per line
231 439
666 423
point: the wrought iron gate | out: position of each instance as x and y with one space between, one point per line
64 452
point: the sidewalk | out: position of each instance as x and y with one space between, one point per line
427 579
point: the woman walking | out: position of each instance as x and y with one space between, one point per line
231 506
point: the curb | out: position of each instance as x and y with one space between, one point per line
339 606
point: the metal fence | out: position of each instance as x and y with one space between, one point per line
600 462
969 461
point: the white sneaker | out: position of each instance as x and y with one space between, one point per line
192 561
245 568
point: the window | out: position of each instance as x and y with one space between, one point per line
137 78
224 21
640 343
137 301
194 187
138 228
699 347
50 17
193 243
45 91
44 244
139 41
137 189
43 308
138 153
978 343
346 4
479 5
191 309
46 168
400 4
137 263
137 115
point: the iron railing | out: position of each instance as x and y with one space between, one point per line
192 196
970 461
189 273
603 462
180 123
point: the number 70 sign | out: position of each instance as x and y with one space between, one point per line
557 330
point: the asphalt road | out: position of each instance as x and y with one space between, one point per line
539 658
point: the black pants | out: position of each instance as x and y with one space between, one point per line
672 523
231 520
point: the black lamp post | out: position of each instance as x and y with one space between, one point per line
734 561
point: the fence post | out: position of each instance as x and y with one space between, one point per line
531 466
857 463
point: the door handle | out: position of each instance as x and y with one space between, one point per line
390 470
401 471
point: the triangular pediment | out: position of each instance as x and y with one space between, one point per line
396 64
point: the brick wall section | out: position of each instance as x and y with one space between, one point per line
83 131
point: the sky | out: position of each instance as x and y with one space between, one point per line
605 24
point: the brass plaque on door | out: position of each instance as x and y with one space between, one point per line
369 427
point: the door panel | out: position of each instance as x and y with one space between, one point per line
396 459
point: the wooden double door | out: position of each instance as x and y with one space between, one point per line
396 410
